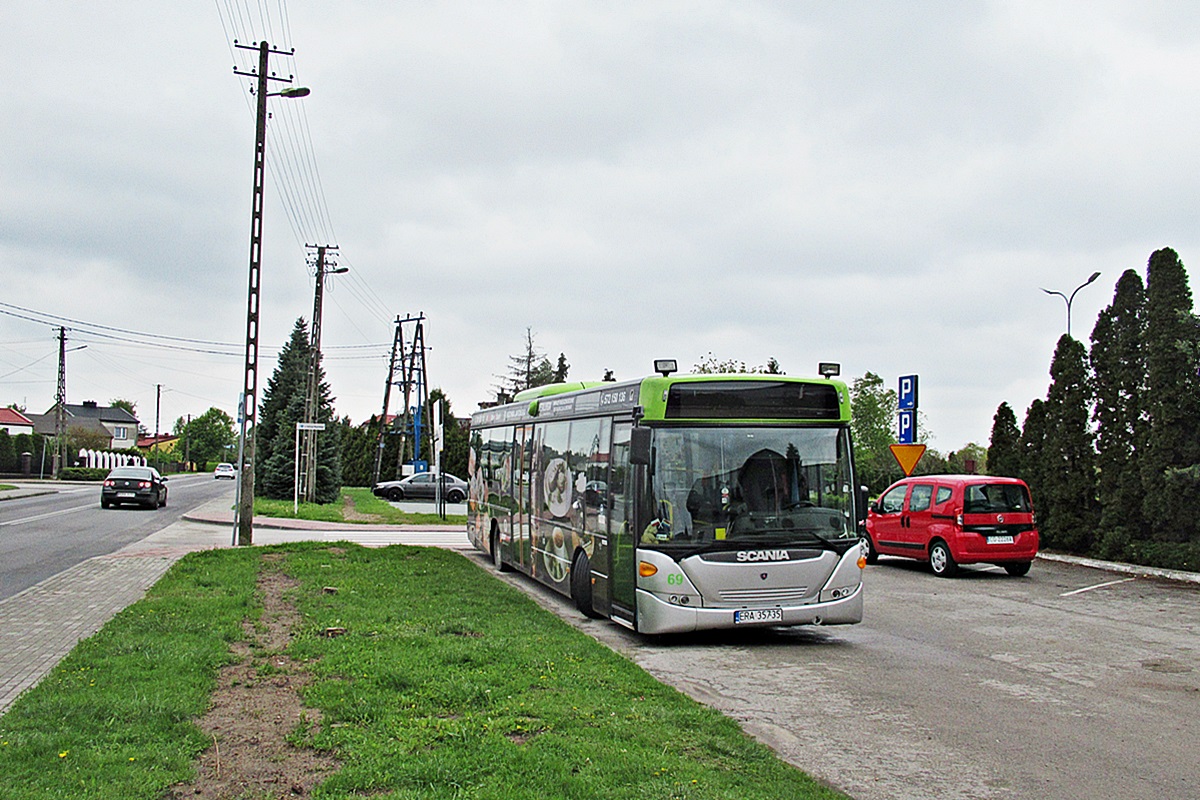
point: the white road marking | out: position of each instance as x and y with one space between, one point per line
46 516
1097 586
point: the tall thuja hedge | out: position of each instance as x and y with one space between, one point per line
1068 456
1031 446
1119 377
1004 453
1172 456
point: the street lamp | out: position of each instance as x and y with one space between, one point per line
243 530
1072 297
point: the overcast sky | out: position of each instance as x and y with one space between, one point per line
884 185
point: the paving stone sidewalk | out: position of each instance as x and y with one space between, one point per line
40 625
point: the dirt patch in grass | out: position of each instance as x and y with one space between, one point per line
257 721
351 514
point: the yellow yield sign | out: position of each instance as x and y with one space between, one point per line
907 456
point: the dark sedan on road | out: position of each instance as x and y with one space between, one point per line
422 486
140 485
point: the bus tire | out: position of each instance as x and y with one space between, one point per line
581 585
497 557
941 560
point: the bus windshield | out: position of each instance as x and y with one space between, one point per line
733 486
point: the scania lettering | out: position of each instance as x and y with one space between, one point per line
676 503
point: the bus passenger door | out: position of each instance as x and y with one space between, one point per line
621 533
521 531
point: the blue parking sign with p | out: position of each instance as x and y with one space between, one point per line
907 397
907 428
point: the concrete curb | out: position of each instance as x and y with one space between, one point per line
1125 569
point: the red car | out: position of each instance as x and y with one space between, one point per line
950 520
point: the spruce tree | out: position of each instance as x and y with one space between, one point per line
1068 456
1004 452
282 407
1119 375
1172 456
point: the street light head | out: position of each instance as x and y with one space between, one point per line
296 91
1094 276
339 270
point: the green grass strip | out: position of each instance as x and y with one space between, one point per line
380 512
115 718
447 683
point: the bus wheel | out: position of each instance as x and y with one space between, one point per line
581 585
941 560
497 558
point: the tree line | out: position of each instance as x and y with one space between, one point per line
1112 454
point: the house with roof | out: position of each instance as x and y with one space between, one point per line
15 422
117 424
161 442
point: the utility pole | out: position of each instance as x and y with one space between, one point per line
244 529
397 346
60 406
157 406
311 398
412 378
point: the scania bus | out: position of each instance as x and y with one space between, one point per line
676 503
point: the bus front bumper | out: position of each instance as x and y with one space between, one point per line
655 615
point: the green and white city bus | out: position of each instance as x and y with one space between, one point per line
676 502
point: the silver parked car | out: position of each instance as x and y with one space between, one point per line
422 486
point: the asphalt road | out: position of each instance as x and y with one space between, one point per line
1068 683
41 536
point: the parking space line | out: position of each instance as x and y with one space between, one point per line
1097 586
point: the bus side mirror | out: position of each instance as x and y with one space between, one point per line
639 446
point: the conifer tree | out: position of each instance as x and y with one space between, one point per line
1068 455
1032 447
282 407
1119 375
1004 452
1172 455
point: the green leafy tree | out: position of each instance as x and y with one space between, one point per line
1068 457
1171 501
711 365
128 405
454 446
1004 452
282 407
971 459
1119 375
873 409
209 437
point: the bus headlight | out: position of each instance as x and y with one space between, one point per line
839 593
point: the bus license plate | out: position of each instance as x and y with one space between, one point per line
758 615
1000 540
